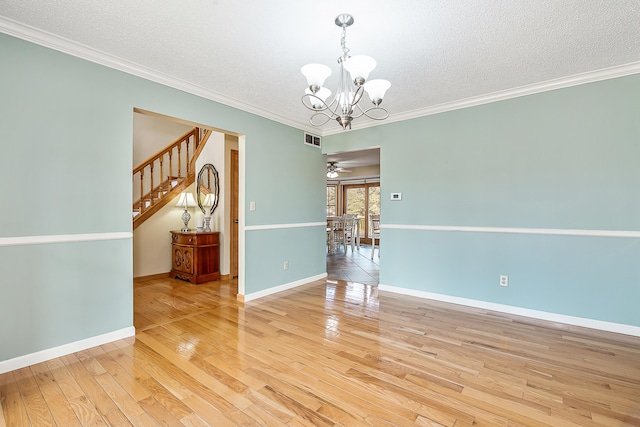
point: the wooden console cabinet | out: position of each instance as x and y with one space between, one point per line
196 256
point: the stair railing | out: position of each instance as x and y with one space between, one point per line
152 180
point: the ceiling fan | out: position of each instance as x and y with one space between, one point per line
333 169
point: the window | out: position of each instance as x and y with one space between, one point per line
362 200
332 200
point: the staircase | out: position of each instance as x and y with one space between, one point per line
160 179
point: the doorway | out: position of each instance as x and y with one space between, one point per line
353 187
152 242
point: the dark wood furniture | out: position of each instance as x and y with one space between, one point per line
195 256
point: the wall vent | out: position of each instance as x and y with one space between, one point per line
312 140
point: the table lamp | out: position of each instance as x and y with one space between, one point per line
186 201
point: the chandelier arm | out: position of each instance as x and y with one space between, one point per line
324 119
357 96
311 107
335 108
376 108
357 111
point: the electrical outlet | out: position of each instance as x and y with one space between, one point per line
286 265
504 280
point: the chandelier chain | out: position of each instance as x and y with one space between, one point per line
343 42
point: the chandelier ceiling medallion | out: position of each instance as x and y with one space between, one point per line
354 72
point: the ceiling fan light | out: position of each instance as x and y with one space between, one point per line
376 89
332 174
359 66
316 74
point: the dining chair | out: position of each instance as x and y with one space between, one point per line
335 234
350 229
375 233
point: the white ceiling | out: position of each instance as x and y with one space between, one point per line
248 53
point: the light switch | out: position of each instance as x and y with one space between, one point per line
252 206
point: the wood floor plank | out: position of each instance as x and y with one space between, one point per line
13 408
220 395
158 412
93 391
330 354
169 402
86 412
120 397
207 412
34 402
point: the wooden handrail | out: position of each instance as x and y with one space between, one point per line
169 148
152 197
199 146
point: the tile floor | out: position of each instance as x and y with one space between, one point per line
356 266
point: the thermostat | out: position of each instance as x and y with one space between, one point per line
396 196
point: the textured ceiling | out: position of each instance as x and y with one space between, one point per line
248 53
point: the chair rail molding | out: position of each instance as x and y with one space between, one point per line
64 238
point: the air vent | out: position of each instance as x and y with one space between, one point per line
312 140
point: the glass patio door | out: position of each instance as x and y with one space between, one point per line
362 200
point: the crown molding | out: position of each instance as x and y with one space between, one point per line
70 47
560 83
79 50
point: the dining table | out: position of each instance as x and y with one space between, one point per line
334 225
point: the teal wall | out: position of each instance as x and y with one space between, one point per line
564 159
66 140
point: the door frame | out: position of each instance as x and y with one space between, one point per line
233 209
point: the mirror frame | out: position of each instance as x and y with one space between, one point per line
202 175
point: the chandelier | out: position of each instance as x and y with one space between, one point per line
354 72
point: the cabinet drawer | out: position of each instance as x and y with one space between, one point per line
195 238
184 239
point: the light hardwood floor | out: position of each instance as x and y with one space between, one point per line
330 354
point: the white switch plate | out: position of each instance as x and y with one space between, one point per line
504 280
252 206
396 196
286 265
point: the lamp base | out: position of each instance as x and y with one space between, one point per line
207 224
186 216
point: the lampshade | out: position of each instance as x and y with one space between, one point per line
376 89
323 94
316 74
209 200
186 200
359 66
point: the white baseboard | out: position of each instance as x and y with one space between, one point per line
519 311
51 353
284 287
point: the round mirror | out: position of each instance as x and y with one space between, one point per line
208 189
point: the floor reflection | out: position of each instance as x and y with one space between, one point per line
356 266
